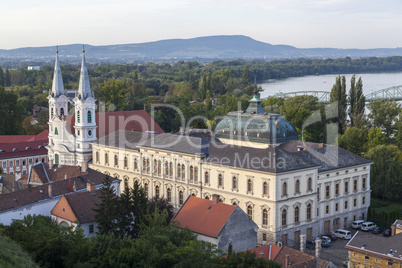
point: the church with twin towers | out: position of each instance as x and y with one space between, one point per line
68 147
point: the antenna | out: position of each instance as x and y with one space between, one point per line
83 48
57 49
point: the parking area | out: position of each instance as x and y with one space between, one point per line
336 252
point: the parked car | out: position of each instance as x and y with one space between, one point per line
368 226
378 230
343 234
331 236
387 232
357 224
324 242
310 244
326 238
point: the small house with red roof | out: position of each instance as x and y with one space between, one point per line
218 223
77 209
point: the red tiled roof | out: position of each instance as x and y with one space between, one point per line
81 204
39 193
109 122
24 138
299 259
269 251
204 217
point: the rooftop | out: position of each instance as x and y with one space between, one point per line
369 243
203 216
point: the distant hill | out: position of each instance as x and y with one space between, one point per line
224 47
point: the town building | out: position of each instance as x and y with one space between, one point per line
253 160
19 152
396 227
217 223
77 209
366 249
42 188
70 135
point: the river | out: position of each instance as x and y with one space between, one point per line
371 82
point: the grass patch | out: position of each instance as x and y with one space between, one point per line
12 255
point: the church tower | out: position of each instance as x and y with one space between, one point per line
85 125
58 102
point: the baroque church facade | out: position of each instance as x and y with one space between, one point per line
65 147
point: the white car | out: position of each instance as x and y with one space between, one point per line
326 238
343 234
368 226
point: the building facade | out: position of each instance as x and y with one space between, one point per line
254 161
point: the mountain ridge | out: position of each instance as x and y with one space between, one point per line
224 47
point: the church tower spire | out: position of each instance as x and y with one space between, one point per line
57 87
84 88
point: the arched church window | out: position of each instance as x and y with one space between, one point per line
51 112
89 117
78 117
56 132
90 133
61 111
78 133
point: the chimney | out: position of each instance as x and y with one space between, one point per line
261 254
287 261
317 247
84 167
50 190
74 187
302 242
215 198
91 187
69 186
50 163
65 176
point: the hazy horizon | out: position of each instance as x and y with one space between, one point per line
308 24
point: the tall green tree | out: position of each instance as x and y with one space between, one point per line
107 211
1 77
114 94
11 113
385 172
338 96
360 105
352 98
384 114
354 140
246 74
375 137
7 78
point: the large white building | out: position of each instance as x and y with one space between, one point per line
253 160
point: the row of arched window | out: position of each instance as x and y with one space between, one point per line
296 214
89 116
297 187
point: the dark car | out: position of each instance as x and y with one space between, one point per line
387 232
378 230
331 236
310 244
324 243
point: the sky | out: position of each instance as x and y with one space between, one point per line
300 23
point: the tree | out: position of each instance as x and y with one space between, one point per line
1 78
360 105
384 114
375 138
107 210
385 172
352 98
353 140
246 74
12 255
113 93
11 113
7 78
338 95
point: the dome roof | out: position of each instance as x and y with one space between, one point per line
255 125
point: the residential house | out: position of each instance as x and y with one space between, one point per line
217 223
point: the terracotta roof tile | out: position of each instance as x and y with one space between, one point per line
269 252
32 195
109 122
82 205
298 258
203 217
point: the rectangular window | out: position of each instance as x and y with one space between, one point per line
327 189
355 202
364 183
346 187
327 209
337 189
11 164
363 200
24 172
366 257
346 204
355 185
4 164
17 163
24 162
336 207
91 228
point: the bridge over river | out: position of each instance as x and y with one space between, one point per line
391 93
